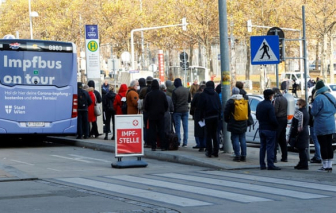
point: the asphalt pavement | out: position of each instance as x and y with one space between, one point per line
184 155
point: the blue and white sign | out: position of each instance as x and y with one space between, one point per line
92 51
264 50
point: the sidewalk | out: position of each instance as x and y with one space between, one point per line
184 155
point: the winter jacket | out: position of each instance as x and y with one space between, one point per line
209 104
117 101
181 97
243 93
142 84
299 128
236 127
198 130
109 99
170 88
323 111
132 98
91 83
156 103
92 117
193 89
266 116
280 106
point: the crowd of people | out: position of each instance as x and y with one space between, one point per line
165 108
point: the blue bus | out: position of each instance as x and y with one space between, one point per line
38 87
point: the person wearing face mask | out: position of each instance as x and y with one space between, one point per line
299 132
132 98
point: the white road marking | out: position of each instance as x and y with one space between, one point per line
84 157
244 186
75 159
147 194
193 189
17 161
275 181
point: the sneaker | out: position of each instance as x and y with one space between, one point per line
207 154
322 169
243 158
184 146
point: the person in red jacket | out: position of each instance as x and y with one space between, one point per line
92 117
117 101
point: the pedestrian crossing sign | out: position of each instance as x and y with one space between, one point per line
264 50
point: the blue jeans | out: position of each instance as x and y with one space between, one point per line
313 136
267 142
236 139
178 116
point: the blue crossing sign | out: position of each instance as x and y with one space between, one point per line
264 50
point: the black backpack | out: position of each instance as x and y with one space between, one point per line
82 99
108 103
123 106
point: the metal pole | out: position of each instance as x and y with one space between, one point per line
30 21
305 64
225 67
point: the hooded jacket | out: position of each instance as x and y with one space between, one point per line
117 101
142 84
236 127
181 97
91 83
156 103
170 88
209 104
323 111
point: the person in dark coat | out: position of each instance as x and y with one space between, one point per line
142 84
299 132
210 108
108 101
82 119
168 127
268 125
156 105
237 128
94 130
280 107
199 132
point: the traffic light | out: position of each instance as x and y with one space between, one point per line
184 60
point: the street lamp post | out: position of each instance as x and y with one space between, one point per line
31 15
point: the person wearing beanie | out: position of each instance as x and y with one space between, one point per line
236 127
280 107
323 110
156 105
268 125
181 99
210 111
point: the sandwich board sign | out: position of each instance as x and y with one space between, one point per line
264 50
129 140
